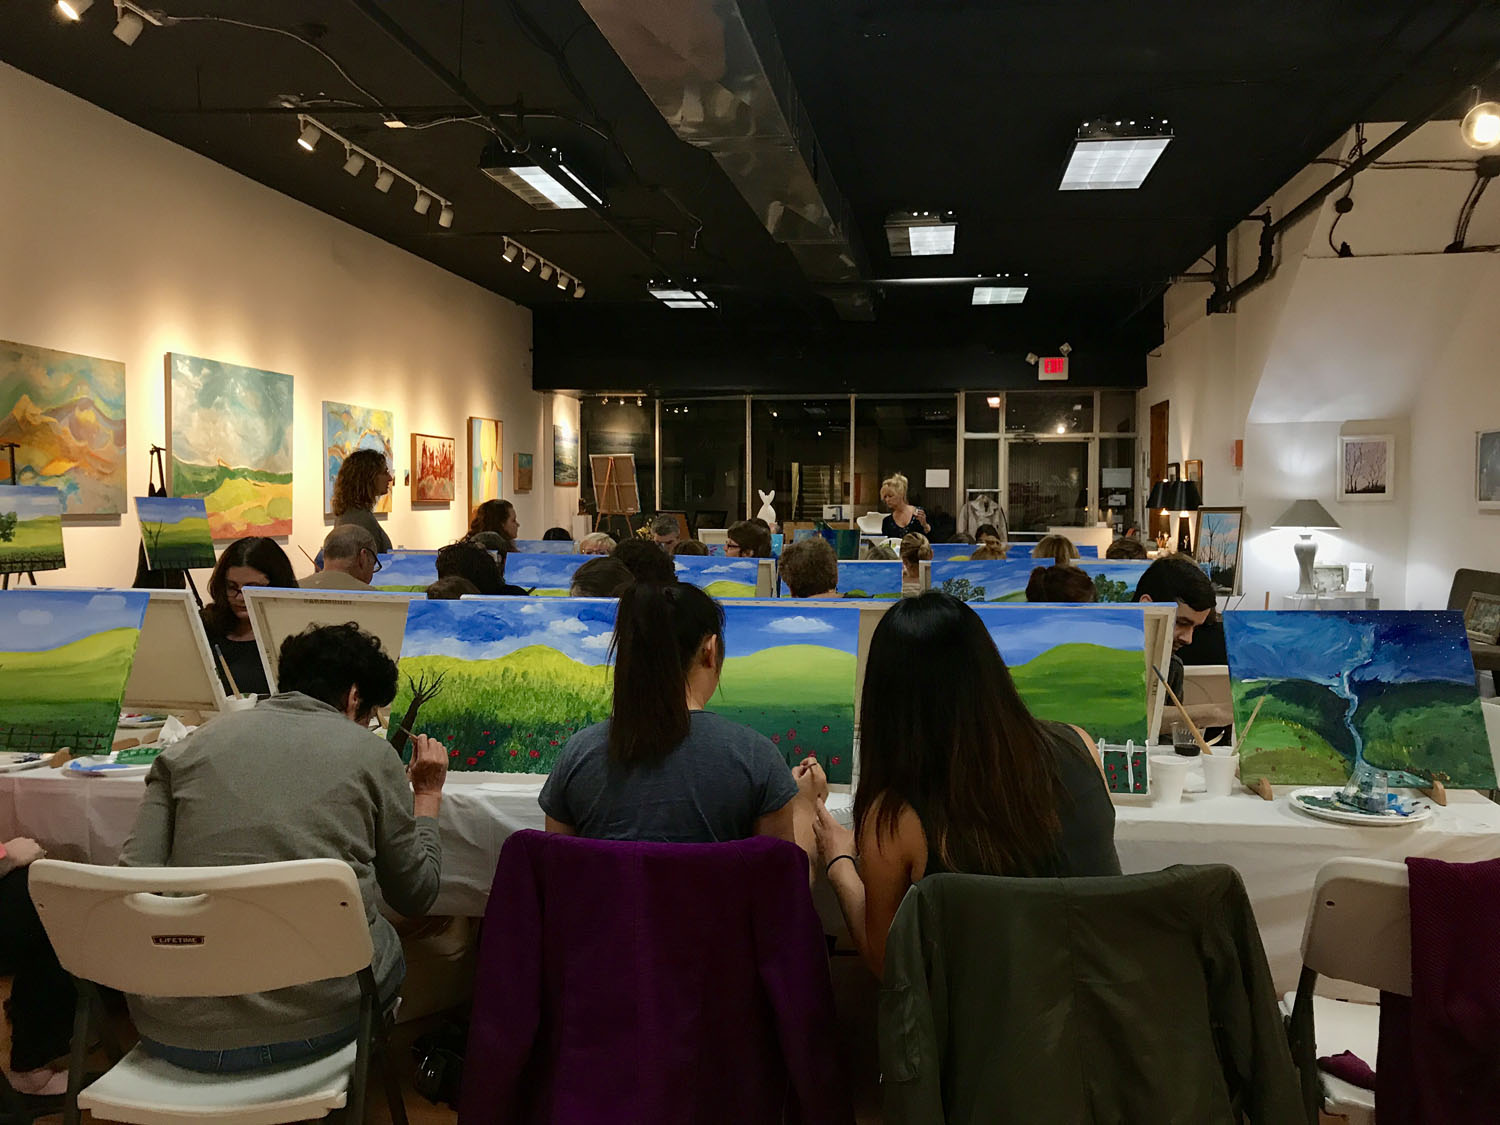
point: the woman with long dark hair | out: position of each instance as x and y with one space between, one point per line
364 477
495 518
254 561
956 774
662 767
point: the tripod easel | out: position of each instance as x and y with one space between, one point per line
10 447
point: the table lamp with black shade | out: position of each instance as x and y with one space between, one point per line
1306 516
1182 497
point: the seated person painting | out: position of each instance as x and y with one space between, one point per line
300 776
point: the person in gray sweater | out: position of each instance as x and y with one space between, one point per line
298 777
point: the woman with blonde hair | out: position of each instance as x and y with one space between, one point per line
904 518
1058 548
915 550
364 477
596 543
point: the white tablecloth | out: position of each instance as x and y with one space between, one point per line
1277 851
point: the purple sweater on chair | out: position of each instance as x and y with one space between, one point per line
627 983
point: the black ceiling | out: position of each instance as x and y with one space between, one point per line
961 104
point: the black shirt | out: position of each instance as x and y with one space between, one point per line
243 658
893 530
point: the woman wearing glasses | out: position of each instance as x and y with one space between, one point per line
245 562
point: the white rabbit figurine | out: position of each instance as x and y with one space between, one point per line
767 512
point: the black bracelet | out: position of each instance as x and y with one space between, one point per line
827 870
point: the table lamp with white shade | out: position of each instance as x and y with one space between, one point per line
1306 516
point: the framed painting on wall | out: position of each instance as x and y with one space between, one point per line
66 415
1487 470
432 468
347 428
1367 467
564 456
485 449
229 440
1173 471
1221 532
1482 618
523 472
1193 471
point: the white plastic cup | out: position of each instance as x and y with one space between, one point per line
1168 776
1219 771
239 702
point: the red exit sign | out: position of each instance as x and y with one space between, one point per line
1052 367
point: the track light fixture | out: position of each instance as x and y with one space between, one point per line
355 164
310 136
577 291
532 262
546 271
562 282
423 203
1066 348
355 157
74 9
512 251
128 26
384 178
529 263
445 216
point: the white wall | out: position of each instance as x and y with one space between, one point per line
120 244
1397 339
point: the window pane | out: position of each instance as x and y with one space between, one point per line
1047 484
907 436
1049 412
1117 412
800 448
703 460
979 416
620 427
1117 483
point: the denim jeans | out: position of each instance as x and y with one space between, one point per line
248 1058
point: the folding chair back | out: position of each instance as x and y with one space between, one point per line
204 931
1359 926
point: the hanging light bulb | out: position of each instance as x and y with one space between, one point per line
1481 126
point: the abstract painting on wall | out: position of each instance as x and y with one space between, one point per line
1367 467
564 456
174 531
988 580
432 475
1077 665
64 660
1487 470
229 437
66 414
547 575
514 679
1394 689
486 447
406 571
789 673
1220 533
719 578
523 472
30 529
347 428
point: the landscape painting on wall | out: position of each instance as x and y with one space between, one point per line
1394 689
66 414
988 580
523 472
789 673
719 578
1076 665
347 428
174 531
432 479
514 679
1367 467
485 451
1487 470
564 456
30 529
229 437
1220 533
66 657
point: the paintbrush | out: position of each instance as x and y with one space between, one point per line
1192 726
1244 734
234 688
306 556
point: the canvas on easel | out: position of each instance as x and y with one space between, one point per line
173 670
615 491
277 614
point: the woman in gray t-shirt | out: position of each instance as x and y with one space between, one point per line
661 767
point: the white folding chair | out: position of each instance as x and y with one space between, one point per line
214 931
1358 929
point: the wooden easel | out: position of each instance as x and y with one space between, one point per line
615 490
10 447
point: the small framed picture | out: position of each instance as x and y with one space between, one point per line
1482 618
1193 471
1367 467
1487 470
1330 578
1174 471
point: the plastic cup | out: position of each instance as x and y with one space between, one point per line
239 702
1183 741
1219 771
1168 776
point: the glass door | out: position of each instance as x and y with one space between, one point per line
1048 484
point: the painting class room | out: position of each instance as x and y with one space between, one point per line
746 562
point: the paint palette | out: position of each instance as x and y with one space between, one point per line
1322 802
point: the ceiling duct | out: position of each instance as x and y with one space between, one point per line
715 71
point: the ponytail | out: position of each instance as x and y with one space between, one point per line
659 630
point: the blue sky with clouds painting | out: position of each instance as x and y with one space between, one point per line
700 570
35 619
1022 632
487 630
750 627
169 509
545 572
29 501
998 576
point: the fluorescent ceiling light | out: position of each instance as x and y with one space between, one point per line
683 298
999 294
1115 155
533 184
921 233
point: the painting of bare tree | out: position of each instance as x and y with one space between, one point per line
1220 533
1367 467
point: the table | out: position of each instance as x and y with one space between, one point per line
1277 850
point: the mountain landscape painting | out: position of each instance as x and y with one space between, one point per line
1076 664
512 679
789 672
66 414
65 657
1394 689
229 438
175 532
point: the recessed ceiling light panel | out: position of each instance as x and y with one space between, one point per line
921 233
1115 155
519 173
999 294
